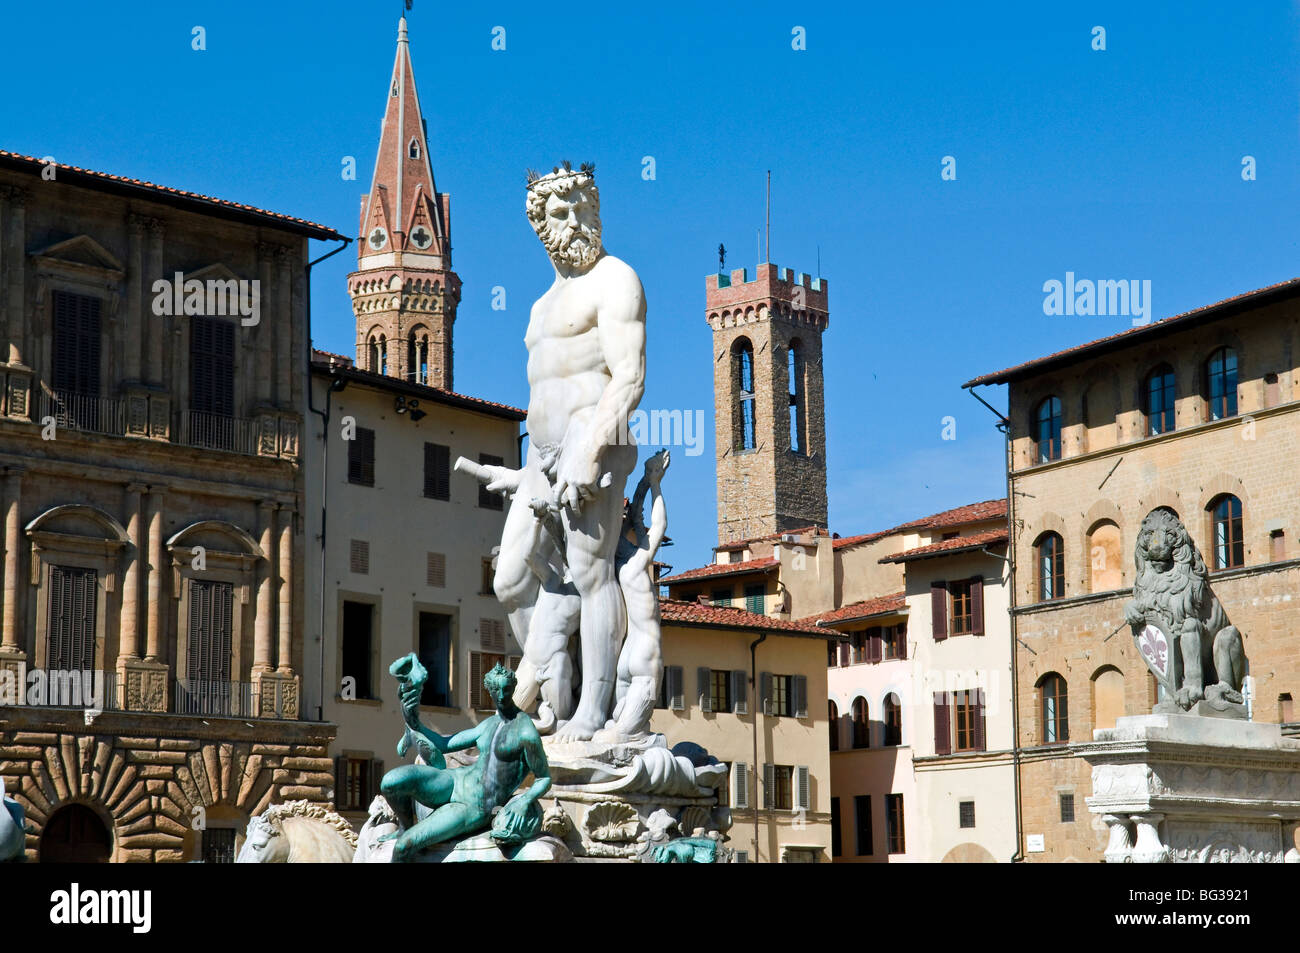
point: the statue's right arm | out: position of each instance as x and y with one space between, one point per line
463 739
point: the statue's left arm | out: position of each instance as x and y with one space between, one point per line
535 755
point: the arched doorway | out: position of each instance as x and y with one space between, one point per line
75 835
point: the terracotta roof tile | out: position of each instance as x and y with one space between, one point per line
722 569
954 545
163 192
1281 289
970 513
680 612
881 605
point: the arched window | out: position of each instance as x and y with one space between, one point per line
372 354
1221 383
893 721
413 150
861 724
1105 559
1047 430
1107 697
1054 709
417 346
742 382
795 371
1049 554
383 355
833 714
1229 549
1158 399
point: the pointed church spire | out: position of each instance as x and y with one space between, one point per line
403 211
404 246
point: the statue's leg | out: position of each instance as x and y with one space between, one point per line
1192 689
554 622
405 785
1230 662
449 821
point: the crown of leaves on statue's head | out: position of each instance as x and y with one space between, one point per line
563 170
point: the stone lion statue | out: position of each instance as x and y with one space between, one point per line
1205 656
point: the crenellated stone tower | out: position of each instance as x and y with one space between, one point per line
404 293
768 400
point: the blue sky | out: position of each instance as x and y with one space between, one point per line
1123 163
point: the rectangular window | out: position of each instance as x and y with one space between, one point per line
754 600
218 845
359 557
896 641
437 471
435 656
720 597
71 625
208 649
1067 808
486 500
782 787
862 825
212 366
894 822
780 696
486 574
961 606
671 694
719 690
435 570
858 646
723 791
76 344
356 781
361 457
835 827
358 622
966 814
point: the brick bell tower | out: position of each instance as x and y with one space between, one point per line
404 293
768 400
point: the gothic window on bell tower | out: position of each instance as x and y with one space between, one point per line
795 369
742 359
413 150
383 355
372 354
417 346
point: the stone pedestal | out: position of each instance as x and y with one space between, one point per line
144 685
1185 788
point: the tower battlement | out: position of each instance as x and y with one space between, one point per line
795 297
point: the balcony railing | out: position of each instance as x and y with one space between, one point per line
68 688
219 432
82 412
202 697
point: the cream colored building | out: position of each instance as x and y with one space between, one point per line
747 688
402 562
1199 413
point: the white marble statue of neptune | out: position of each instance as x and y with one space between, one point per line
586 372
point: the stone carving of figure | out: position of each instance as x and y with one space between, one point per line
1205 658
586 375
466 799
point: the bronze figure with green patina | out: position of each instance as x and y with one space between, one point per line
465 800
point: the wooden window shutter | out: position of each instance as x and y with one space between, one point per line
875 644
799 686
978 715
977 605
939 610
740 692
361 457
902 639
474 695
942 724
844 653
802 788
740 785
436 570
341 784
376 775
486 499
676 693
703 680
765 693
437 471
359 557
492 635
769 785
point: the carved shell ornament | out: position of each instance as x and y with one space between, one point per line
694 818
611 822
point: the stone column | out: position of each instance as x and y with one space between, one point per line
131 328
130 622
262 639
285 656
15 262
157 573
12 503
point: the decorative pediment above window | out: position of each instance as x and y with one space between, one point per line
218 271
79 254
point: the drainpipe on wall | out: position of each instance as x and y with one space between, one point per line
758 710
1004 425
325 417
